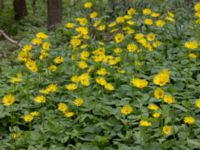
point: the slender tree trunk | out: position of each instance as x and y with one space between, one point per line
54 13
20 9
34 6
1 4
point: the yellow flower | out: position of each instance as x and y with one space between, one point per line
88 5
90 69
59 60
197 14
197 6
82 65
197 103
62 107
149 47
191 45
148 22
69 114
75 42
40 99
162 77
84 46
156 115
170 19
102 27
120 20
127 17
167 130
155 14
86 37
51 88
122 71
78 102
119 38
82 21
130 31
75 79
131 11
132 47
70 25
24 56
139 36
8 100
31 65
102 71
130 22
189 120
151 37
84 79
197 21
112 24
71 87
52 68
146 11
44 91
170 14
109 87
27 48
160 23
36 41
96 23
15 135
34 113
43 55
113 30
117 50
82 30
144 123
74 57
93 14
156 44
153 107
139 83
159 93
101 80
28 118
126 109
17 78
41 35
143 42
168 99
46 45
192 55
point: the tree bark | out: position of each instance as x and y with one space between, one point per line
1 4
54 13
34 6
20 9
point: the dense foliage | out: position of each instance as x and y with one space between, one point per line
127 81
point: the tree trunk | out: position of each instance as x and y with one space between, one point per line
1 4
34 6
20 9
54 13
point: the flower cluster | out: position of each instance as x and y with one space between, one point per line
115 74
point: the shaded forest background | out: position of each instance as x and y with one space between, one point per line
21 19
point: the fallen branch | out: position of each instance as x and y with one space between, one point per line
2 33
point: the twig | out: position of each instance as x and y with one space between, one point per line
9 39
